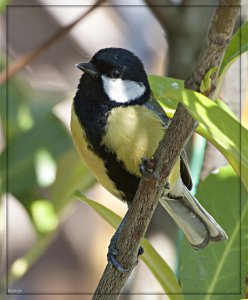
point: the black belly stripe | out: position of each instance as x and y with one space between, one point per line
124 181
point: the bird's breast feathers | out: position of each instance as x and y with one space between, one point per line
132 133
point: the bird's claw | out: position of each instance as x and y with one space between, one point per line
147 168
113 252
167 185
114 263
141 251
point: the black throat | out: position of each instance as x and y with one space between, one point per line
92 107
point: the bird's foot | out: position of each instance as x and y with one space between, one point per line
167 185
113 252
141 251
147 168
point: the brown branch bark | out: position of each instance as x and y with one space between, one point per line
27 58
219 35
184 39
177 135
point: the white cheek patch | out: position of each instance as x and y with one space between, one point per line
122 91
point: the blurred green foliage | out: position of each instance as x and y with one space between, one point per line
238 45
39 164
218 267
30 126
3 4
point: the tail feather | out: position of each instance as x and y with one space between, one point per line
197 224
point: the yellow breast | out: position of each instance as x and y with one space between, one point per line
133 133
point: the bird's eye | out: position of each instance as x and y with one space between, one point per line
116 73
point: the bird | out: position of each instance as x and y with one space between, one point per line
117 123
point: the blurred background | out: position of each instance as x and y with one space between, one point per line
57 245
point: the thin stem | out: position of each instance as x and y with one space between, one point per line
27 58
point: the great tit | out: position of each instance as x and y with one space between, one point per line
115 123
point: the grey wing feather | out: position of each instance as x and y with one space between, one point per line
154 105
185 171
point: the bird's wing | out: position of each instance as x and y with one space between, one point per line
154 105
185 171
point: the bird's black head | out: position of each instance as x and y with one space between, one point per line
121 74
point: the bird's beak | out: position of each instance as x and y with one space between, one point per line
88 68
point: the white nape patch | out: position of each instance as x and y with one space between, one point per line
122 91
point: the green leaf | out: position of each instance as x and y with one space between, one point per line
151 258
216 123
244 244
206 83
44 216
238 45
159 87
216 269
226 108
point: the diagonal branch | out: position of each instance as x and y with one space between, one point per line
27 58
177 135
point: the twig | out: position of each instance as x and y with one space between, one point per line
27 58
177 135
218 37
